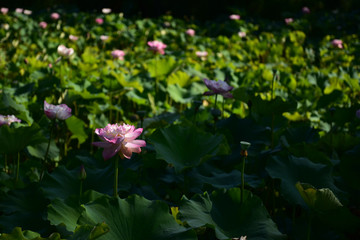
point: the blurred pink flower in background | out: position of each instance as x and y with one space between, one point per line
19 10
288 20
218 87
305 10
8 119
99 21
60 112
4 10
27 12
43 25
118 54
190 32
242 34
50 65
157 46
106 10
55 16
201 53
337 43
116 138
64 51
104 38
73 38
234 17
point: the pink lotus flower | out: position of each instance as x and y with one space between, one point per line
201 53
64 51
234 17
60 112
8 119
337 43
118 54
104 38
120 139
157 47
190 32
43 25
27 12
19 10
288 20
55 16
305 10
218 87
106 10
4 10
99 21
242 34
73 38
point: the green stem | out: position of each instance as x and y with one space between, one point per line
47 150
48 147
81 190
215 100
116 173
17 167
222 112
5 164
243 179
92 140
309 228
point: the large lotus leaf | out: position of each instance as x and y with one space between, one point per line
66 213
224 212
13 140
25 208
327 207
18 234
63 182
185 147
76 126
89 232
180 78
160 67
207 174
7 102
292 170
179 94
134 218
39 150
127 81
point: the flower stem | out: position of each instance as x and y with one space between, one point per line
309 228
215 100
47 150
81 190
243 177
17 167
5 164
116 173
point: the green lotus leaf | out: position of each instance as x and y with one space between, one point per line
180 78
24 207
327 208
13 140
185 147
293 169
18 234
160 67
89 232
224 212
76 126
134 218
67 213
